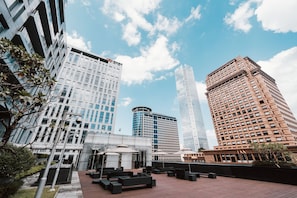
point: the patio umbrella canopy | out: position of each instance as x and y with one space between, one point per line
103 153
125 157
122 148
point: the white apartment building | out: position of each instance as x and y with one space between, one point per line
87 87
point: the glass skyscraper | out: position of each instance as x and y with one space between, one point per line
192 125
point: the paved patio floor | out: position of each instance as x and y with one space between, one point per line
221 187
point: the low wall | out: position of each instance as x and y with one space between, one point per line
270 174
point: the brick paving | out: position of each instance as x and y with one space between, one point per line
221 187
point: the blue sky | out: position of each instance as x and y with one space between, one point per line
151 38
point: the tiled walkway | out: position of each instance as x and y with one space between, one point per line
222 187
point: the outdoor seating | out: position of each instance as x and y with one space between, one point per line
117 174
171 173
184 174
115 187
148 169
136 181
209 175
106 171
104 183
116 180
160 170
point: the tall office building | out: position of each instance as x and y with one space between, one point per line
247 107
161 128
88 87
39 27
192 124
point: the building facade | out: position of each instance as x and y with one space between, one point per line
192 125
39 27
87 88
246 107
160 128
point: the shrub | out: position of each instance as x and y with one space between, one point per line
8 189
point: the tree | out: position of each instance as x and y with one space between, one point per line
13 161
24 88
273 153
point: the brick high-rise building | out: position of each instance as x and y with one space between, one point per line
247 107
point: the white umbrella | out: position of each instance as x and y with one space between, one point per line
122 148
185 151
103 158
160 152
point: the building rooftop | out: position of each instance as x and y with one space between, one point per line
220 187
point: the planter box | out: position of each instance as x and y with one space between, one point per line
64 177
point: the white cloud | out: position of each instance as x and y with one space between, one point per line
274 15
134 12
195 14
118 17
282 67
201 89
78 41
175 47
155 58
278 16
163 24
86 2
125 101
131 35
239 20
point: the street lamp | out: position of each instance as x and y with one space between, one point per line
51 157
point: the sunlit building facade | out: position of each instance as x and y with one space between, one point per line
247 107
161 128
87 87
192 125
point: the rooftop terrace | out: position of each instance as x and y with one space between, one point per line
220 187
